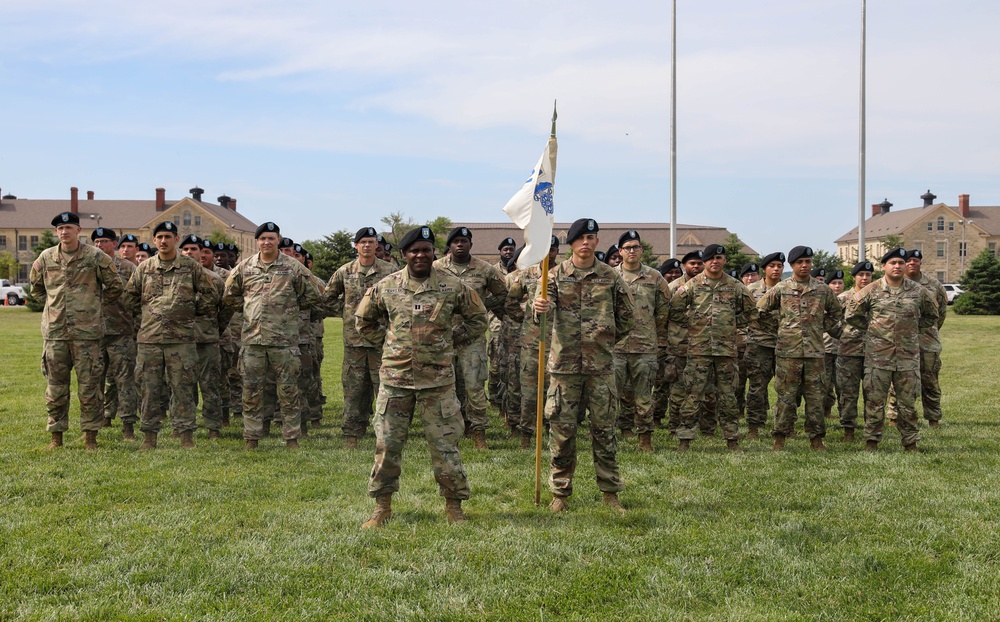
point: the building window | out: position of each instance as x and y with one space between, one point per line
940 222
940 249
918 246
34 241
951 225
993 246
197 220
930 225
22 242
3 242
940 276
962 250
187 219
22 273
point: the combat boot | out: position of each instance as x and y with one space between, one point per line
56 440
251 443
559 504
149 442
128 432
91 440
848 435
817 444
628 434
526 441
479 437
214 435
733 445
934 424
871 446
107 422
753 433
684 445
453 510
382 513
304 428
225 418
646 442
912 447
187 439
291 444
351 442
779 443
611 500
267 428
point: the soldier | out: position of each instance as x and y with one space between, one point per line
143 252
171 291
362 358
416 312
851 355
677 335
711 306
236 324
227 353
73 279
748 274
635 356
470 358
510 332
316 398
831 345
497 348
671 271
591 309
127 247
613 256
311 409
806 309
893 310
761 341
118 344
271 289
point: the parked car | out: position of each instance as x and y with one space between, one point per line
953 290
11 294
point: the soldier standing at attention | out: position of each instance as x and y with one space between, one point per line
711 306
671 271
831 345
497 349
171 291
748 274
207 257
761 340
471 365
806 309
591 309
894 310
271 288
73 279
143 252
635 356
693 265
851 355
362 358
613 256
416 312
127 247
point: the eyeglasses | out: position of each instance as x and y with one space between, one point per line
630 249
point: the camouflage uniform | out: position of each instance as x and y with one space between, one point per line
850 368
497 352
711 310
591 310
73 287
520 296
471 365
509 367
677 358
893 318
416 319
805 311
170 294
362 358
930 356
118 349
831 345
271 297
759 357
635 357
227 353
208 372
316 398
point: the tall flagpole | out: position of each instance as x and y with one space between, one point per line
673 131
861 160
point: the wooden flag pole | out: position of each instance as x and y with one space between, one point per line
540 386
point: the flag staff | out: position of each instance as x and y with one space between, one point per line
540 385
673 131
861 158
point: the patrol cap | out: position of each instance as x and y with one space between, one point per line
167 226
128 237
458 232
506 242
836 275
512 263
103 233
668 265
189 239
66 218
601 256
915 253
798 253
612 250
299 250
896 252
750 267
631 234
267 227
862 266
366 232
286 243
146 248
555 242
773 257
692 256
712 250
581 226
415 235
817 272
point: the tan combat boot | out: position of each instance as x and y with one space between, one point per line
187 439
304 428
267 429
149 442
107 422
128 432
214 435
779 443
57 440
817 444
225 418
559 504
912 447
871 446
753 433
479 437
291 444
733 445
382 513
453 510
91 440
646 442
611 500
351 442
251 443
527 441
685 445
848 435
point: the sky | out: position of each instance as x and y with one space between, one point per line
324 115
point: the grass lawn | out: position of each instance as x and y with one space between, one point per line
220 533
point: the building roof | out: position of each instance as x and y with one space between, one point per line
986 218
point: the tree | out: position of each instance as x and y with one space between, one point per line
331 252
735 257
648 256
398 224
827 261
47 240
221 235
892 241
981 283
8 266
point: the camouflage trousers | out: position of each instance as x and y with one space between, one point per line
235 380
511 405
359 375
439 411
119 377
58 359
830 373
760 369
311 408
930 388
741 383
319 354
795 378
471 371
570 397
283 362
209 379
850 374
227 356
876 388
634 377
680 389
162 368
661 386
528 375
497 354
705 375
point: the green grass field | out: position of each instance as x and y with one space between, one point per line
221 533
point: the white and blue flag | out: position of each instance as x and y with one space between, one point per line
531 208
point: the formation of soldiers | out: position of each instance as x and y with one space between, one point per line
630 348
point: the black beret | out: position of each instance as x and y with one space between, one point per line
896 252
220 247
512 263
128 237
191 239
415 235
600 256
167 226
836 275
286 243
232 248
773 257
366 232
267 227
915 253
862 266
612 250
309 256
581 226
733 273
66 218
457 232
668 265
815 272
146 248
206 243
506 242
750 267
693 255
631 234
379 238
554 243
714 249
388 247
798 253
299 250
103 233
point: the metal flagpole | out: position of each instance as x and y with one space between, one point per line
861 160
673 132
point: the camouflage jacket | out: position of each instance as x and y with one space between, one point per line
711 310
591 310
170 295
417 321
852 338
652 306
74 291
270 297
345 290
212 325
318 325
482 277
677 335
522 287
763 327
893 320
117 318
930 340
805 311
496 321
235 323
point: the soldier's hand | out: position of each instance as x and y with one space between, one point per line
541 305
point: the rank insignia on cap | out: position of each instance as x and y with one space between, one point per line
781 257
633 234
425 233
99 231
371 231
168 226
809 252
590 225
719 250
270 226
65 217
753 266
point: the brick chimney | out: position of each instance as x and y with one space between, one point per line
74 200
90 195
963 205
224 201
161 199
876 210
232 204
